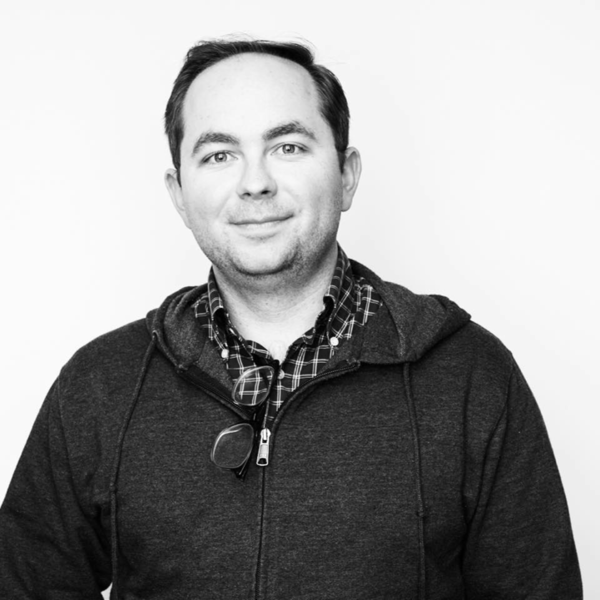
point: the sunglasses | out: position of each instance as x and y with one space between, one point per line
233 446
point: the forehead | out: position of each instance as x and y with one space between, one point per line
251 90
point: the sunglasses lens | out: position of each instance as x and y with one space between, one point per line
252 388
233 446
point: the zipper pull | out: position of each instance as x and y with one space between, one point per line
262 457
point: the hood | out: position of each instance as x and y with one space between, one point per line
406 327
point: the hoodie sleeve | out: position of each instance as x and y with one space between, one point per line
520 543
50 546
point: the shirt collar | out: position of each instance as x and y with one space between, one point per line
338 281
214 299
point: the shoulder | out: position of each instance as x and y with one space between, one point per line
115 352
94 387
472 361
476 345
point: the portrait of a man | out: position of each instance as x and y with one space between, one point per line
295 425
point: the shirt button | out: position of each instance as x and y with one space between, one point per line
280 375
224 354
333 341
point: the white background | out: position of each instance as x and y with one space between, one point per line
479 127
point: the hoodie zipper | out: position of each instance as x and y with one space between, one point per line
262 456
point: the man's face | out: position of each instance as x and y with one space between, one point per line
261 187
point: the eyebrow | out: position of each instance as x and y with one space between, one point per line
216 137
286 129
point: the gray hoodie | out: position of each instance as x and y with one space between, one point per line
417 465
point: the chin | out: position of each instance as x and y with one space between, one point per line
266 262
262 268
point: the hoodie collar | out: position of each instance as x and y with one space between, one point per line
405 327
408 324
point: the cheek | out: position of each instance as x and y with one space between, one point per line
317 188
206 200
326 196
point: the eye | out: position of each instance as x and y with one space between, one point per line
218 158
289 149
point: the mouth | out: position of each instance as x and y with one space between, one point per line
259 229
261 221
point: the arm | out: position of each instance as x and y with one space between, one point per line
51 546
520 543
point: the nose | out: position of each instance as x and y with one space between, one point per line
256 180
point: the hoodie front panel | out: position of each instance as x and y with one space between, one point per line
340 517
185 527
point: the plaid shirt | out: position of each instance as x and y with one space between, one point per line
348 303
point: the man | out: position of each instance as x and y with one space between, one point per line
296 428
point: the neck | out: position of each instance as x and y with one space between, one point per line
275 311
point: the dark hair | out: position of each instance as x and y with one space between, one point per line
334 106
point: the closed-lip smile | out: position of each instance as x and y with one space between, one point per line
261 220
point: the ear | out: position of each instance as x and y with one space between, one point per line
350 176
176 193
